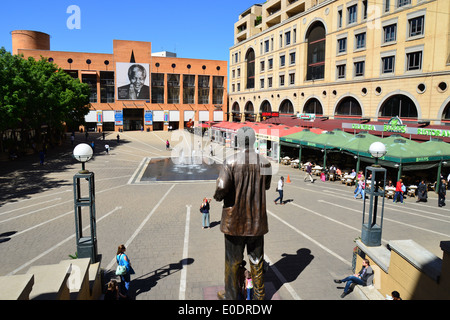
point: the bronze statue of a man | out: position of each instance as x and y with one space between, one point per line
242 184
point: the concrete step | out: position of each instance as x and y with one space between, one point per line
78 282
50 282
17 287
75 279
369 293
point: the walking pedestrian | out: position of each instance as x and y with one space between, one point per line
123 260
72 138
204 209
118 138
422 192
441 193
398 191
280 190
360 188
107 148
308 172
167 145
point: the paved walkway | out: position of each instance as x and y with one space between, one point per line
310 241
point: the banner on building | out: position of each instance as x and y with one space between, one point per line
148 117
118 118
133 81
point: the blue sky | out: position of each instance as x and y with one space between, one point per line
198 29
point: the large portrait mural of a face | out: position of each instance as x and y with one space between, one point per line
133 81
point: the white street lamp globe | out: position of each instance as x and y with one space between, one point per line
83 152
377 149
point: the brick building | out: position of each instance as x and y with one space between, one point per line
135 89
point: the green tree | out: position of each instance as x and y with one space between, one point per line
37 95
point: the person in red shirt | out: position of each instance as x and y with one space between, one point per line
398 191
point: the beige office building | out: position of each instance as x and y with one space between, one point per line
347 59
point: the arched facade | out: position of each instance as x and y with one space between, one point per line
315 59
236 112
348 106
400 104
286 107
265 107
250 59
313 105
249 111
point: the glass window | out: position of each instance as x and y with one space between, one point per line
292 58
388 64
189 89
359 68
416 26
387 4
364 9
287 38
262 66
261 83
218 89
250 58
270 62
342 45
173 88
360 40
316 52
292 78
91 80
282 80
414 61
282 61
341 71
352 14
269 82
390 33
203 89
339 19
107 87
266 46
157 87
401 3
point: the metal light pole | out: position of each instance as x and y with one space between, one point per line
86 245
371 231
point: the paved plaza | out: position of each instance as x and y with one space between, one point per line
310 240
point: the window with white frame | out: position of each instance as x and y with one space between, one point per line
414 61
402 3
291 78
342 45
282 60
340 71
359 67
292 58
387 64
390 33
287 38
352 14
360 40
416 26
281 80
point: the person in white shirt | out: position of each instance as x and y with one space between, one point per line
280 191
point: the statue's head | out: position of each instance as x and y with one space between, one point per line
245 138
